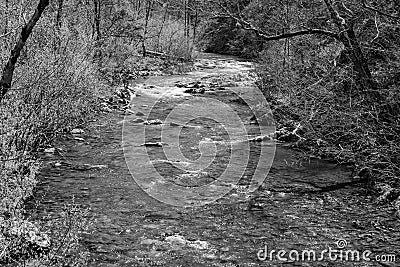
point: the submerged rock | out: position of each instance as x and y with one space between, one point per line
200 245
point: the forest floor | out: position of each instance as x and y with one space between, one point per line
297 208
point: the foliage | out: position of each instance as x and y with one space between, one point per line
334 86
318 108
77 51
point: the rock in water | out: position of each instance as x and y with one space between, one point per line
176 240
77 131
50 150
153 122
156 144
261 138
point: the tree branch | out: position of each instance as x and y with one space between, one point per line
339 21
266 37
8 71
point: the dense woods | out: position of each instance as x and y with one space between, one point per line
331 72
330 69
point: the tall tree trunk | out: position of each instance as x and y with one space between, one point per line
354 55
8 70
187 26
6 18
162 26
59 13
362 73
146 24
97 11
196 21
360 64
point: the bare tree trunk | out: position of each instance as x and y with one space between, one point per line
162 26
196 22
8 71
6 19
59 24
187 25
148 11
97 11
360 64
59 13
347 36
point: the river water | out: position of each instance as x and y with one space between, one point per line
206 185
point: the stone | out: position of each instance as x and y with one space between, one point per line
140 114
176 240
261 138
77 131
225 249
153 122
50 150
156 144
151 226
195 91
201 245
98 167
58 164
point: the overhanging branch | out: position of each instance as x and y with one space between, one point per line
266 37
8 71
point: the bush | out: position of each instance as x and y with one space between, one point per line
54 90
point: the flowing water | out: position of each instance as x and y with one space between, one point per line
148 196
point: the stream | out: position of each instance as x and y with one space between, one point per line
191 176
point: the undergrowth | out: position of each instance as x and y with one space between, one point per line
319 109
52 93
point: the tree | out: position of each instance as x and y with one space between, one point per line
335 20
97 15
8 70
